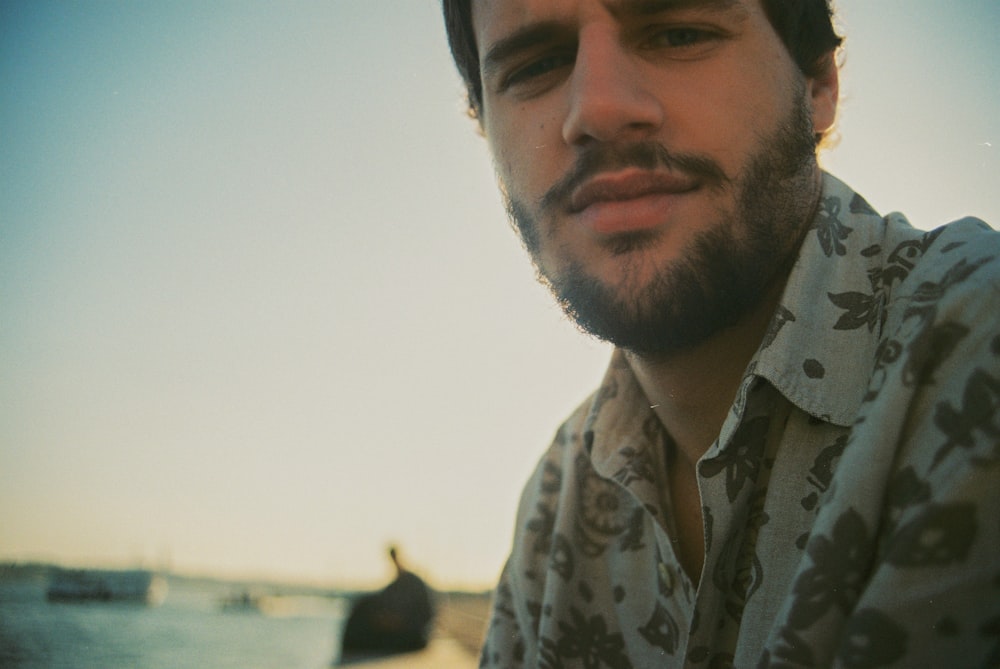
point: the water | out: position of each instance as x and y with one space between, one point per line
190 629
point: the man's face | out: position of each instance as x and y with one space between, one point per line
656 156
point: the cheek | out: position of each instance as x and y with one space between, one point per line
728 122
501 160
523 147
504 172
708 124
516 172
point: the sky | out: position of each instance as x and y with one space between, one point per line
261 313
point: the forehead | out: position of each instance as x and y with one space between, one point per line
493 17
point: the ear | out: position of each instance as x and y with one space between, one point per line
824 92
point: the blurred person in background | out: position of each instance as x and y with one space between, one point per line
398 618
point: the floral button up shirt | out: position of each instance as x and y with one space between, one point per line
851 502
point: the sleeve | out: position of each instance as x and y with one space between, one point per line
903 566
933 597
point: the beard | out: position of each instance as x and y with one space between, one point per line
726 270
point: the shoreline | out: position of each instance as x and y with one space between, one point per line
463 617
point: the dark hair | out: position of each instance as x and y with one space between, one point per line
804 26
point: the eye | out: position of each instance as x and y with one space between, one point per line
537 70
682 38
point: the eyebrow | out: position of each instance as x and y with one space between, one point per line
646 7
520 40
543 31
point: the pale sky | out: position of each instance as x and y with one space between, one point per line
260 310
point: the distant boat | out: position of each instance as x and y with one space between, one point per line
275 605
241 601
105 585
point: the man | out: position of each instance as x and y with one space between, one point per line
793 459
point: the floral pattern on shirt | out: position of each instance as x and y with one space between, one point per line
850 503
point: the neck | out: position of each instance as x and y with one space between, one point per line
692 391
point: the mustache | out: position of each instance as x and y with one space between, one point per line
641 155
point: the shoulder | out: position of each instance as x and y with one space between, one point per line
936 374
562 500
512 636
945 292
568 445
914 499
945 261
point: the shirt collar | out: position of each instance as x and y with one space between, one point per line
808 354
818 360
618 418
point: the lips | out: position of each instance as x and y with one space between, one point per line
628 185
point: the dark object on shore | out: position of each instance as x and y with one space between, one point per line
396 619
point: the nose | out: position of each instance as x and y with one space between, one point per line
609 99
